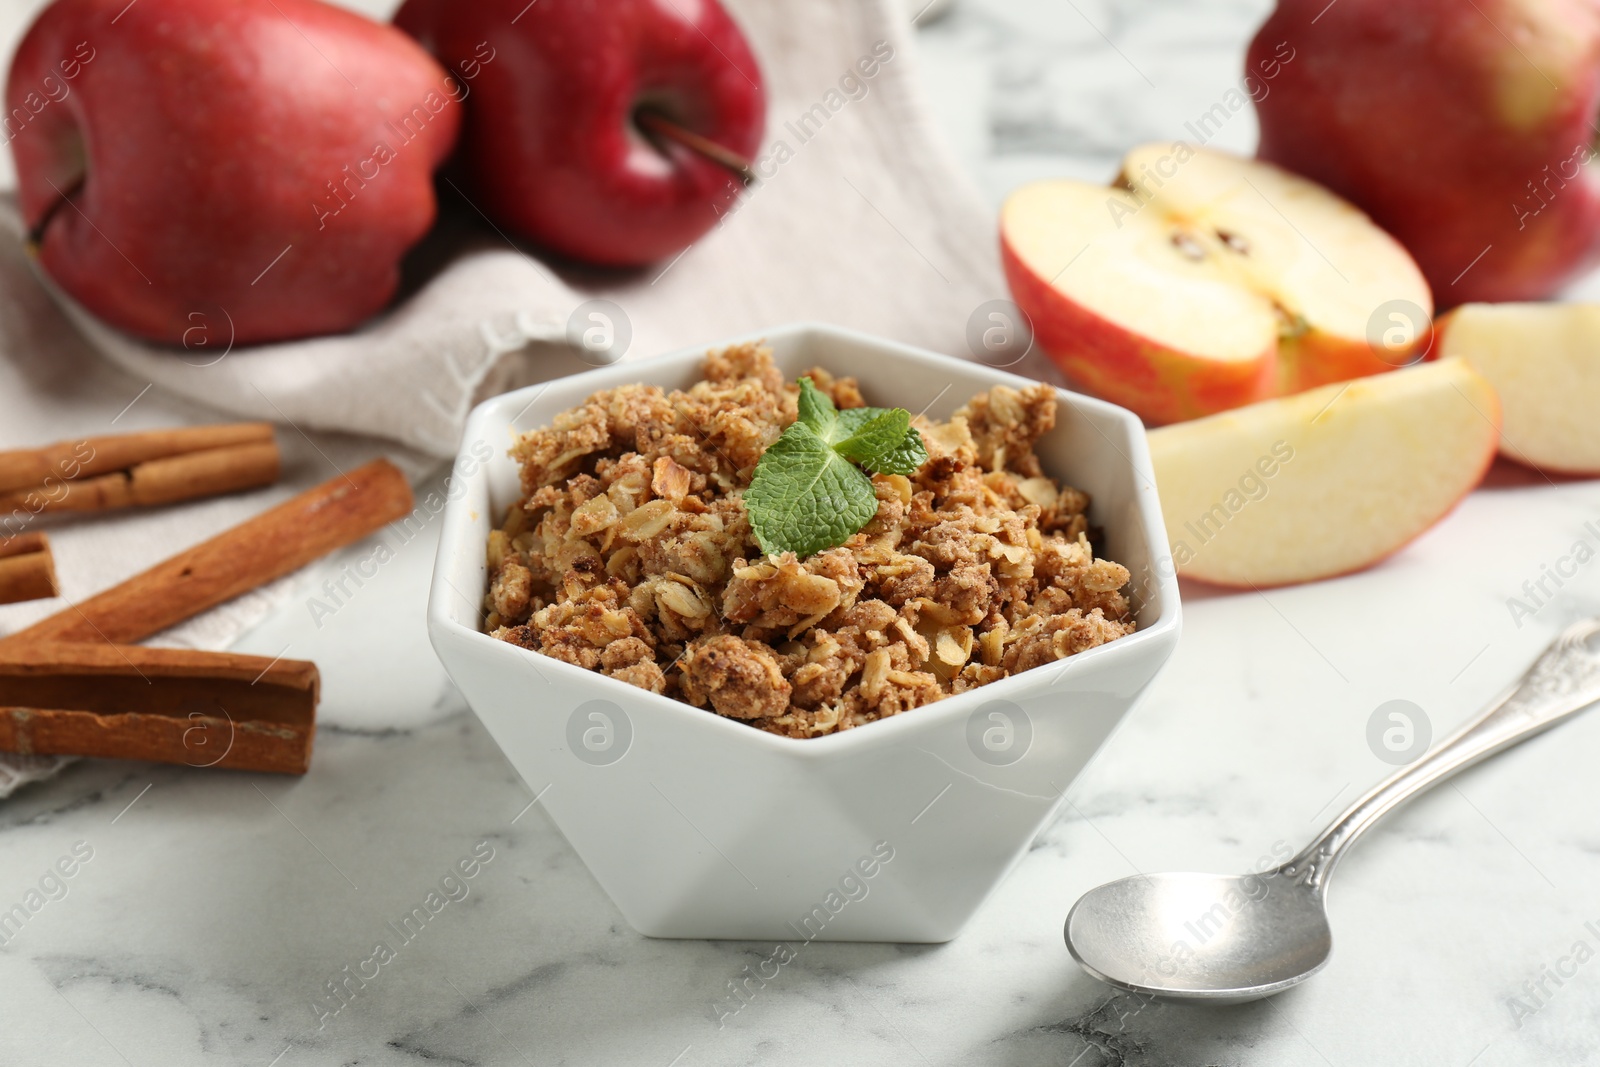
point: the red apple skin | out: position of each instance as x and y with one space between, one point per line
1315 358
1400 108
550 150
1437 331
1159 384
211 133
1163 385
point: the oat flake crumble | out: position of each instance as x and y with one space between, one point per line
630 553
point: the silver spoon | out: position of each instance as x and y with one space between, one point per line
1224 940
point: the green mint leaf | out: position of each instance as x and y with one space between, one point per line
805 497
816 408
809 492
904 458
852 419
878 436
903 455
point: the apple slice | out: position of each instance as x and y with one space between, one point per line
1325 482
1206 281
1544 361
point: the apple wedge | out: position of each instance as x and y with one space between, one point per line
1204 281
1325 482
1544 361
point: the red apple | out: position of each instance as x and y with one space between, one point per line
1461 128
554 148
253 169
1205 282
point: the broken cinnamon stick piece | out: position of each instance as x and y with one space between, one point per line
186 476
27 569
28 468
205 709
341 510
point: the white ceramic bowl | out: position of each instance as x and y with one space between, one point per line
701 826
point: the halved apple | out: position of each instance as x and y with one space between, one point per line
1325 482
1204 281
1544 361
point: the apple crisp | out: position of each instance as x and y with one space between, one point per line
631 554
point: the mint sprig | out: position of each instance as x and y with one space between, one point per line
810 491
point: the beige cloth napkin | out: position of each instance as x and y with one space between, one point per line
860 219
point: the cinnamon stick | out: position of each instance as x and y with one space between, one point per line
185 476
23 544
343 509
27 569
28 468
206 709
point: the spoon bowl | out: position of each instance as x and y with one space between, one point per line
1218 938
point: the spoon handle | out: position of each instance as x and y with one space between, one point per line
1564 680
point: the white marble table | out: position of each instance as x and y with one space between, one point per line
216 907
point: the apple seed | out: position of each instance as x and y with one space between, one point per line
1188 246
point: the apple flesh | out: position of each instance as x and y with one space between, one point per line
1464 129
1204 282
251 170
554 149
1326 482
1544 361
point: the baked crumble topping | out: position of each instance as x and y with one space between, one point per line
631 554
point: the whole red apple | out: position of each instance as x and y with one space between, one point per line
1461 128
252 170
558 143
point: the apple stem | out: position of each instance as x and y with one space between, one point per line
35 238
657 123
